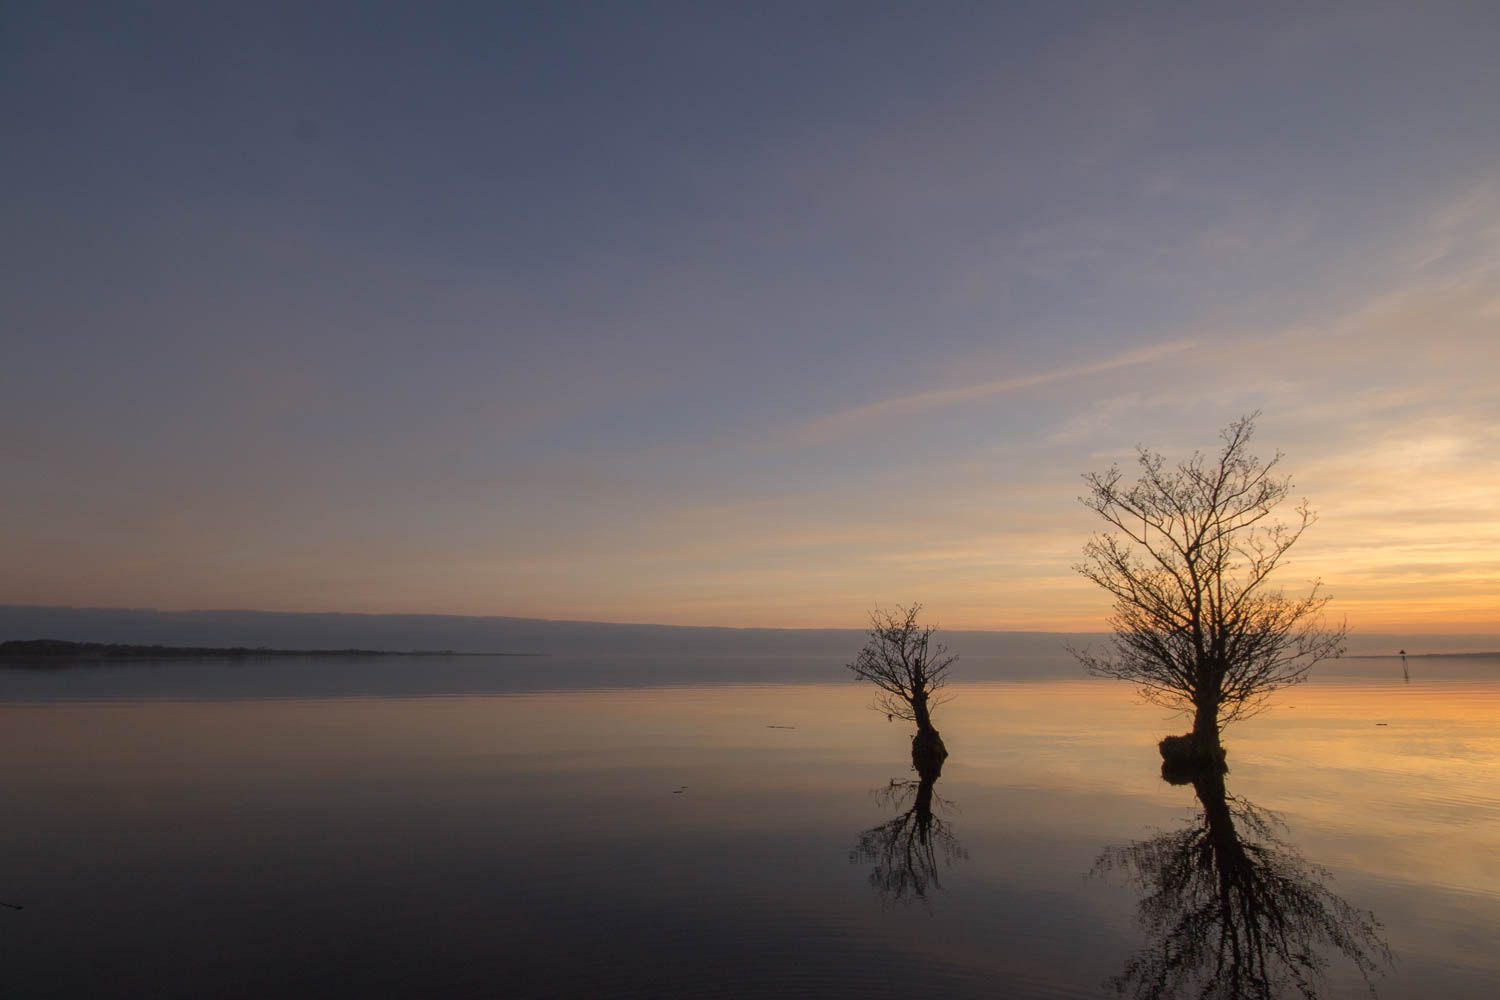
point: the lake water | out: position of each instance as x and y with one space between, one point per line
533 827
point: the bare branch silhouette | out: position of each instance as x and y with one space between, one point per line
907 853
902 659
1188 555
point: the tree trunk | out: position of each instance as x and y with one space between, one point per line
1184 757
1206 725
919 713
926 744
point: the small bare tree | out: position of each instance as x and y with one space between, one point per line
908 666
1188 558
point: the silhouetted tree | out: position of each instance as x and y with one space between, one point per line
908 666
1232 911
906 853
1187 557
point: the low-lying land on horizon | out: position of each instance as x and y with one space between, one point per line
123 651
316 631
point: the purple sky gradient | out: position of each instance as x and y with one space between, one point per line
735 314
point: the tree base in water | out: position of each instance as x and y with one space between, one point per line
927 745
1185 757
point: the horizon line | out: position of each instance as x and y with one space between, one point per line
1381 630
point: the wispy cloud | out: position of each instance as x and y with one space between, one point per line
863 417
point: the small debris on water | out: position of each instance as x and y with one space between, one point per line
1382 723
679 791
768 726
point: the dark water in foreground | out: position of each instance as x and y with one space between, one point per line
418 827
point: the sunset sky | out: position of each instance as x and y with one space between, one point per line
736 314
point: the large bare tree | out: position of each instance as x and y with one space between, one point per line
908 666
1188 556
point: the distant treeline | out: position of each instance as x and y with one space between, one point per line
117 650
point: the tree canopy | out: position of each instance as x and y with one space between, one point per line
903 660
1188 554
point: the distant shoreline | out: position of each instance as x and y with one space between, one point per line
1416 656
63 648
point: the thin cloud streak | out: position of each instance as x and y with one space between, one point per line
856 418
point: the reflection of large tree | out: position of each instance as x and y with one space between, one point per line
1233 911
907 852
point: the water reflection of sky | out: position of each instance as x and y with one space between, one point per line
696 839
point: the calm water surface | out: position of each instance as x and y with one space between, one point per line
420 827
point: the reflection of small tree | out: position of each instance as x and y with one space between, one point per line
1233 911
903 661
1187 558
907 852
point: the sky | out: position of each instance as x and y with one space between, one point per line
736 314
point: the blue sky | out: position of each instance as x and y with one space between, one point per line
735 314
